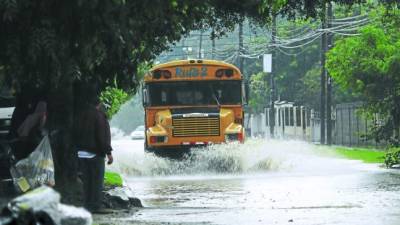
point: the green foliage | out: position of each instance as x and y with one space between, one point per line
297 71
113 98
309 88
392 157
368 64
258 92
112 179
142 69
51 44
289 68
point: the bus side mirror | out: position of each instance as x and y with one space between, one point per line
145 97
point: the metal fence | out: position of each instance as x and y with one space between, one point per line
291 122
351 127
298 122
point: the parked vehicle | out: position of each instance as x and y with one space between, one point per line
138 133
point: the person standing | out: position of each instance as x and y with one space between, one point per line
31 132
93 144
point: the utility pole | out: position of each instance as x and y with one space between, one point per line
329 82
272 81
184 49
213 44
240 58
323 74
200 43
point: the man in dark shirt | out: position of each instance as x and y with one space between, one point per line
93 142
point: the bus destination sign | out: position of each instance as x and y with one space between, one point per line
191 72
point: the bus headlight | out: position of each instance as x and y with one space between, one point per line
234 137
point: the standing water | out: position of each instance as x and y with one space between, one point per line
259 182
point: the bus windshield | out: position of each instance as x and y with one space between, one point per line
188 93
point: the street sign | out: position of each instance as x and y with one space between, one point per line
267 63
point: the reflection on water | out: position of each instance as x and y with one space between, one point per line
182 193
356 198
260 182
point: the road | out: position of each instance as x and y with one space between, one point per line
260 182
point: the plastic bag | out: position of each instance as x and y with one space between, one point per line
35 170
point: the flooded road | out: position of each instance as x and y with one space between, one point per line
261 182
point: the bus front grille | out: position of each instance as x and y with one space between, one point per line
195 126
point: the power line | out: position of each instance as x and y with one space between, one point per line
258 45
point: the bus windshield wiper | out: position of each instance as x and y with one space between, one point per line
214 96
216 99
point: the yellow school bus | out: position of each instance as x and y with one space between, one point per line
193 102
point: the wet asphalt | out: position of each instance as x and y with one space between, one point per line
260 182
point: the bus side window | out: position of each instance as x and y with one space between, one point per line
145 97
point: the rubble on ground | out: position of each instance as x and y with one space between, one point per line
120 198
42 205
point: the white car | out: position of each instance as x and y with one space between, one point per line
138 133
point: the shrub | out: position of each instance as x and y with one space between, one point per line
392 157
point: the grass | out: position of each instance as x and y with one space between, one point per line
112 179
363 154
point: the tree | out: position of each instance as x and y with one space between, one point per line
369 65
297 70
258 92
113 97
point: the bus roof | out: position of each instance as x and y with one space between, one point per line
193 62
194 69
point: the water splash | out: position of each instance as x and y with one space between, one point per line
129 116
118 134
255 156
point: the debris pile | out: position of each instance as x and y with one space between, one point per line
42 206
120 198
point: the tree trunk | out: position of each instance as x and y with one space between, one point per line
60 121
397 130
396 127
